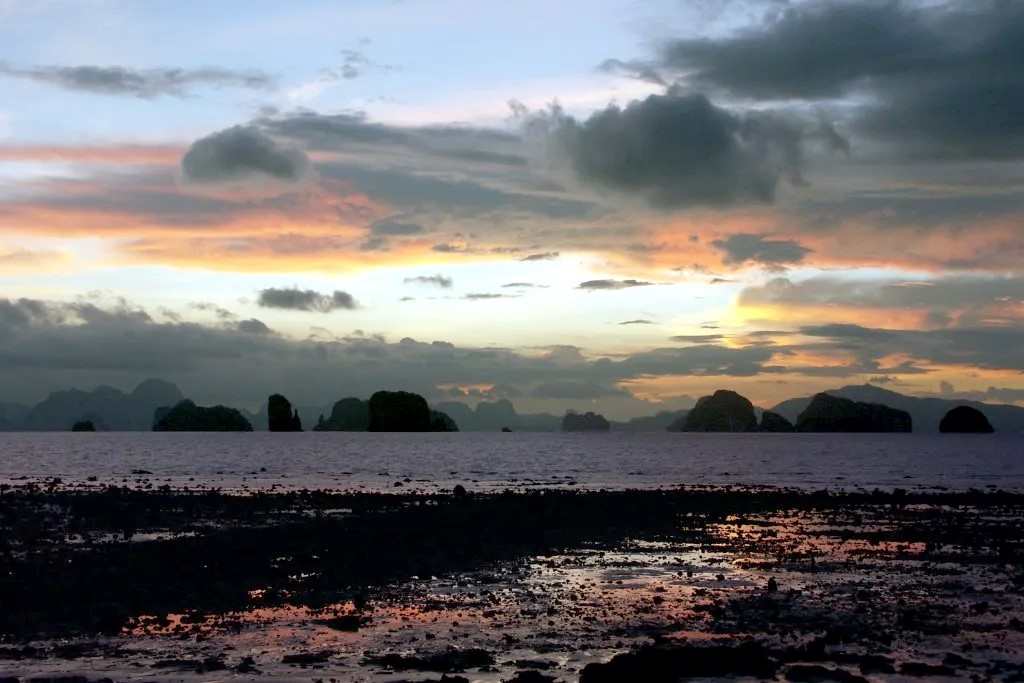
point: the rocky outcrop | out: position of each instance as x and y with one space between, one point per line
723 411
281 417
399 411
773 422
827 413
440 422
925 412
348 415
83 426
584 422
965 420
186 416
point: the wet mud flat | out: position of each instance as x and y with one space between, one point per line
117 584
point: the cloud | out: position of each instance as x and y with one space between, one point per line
741 248
253 326
612 284
524 285
241 152
575 390
483 296
45 344
545 256
305 300
697 338
434 280
933 80
638 321
681 150
142 83
391 228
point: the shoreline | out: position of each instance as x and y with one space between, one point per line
407 586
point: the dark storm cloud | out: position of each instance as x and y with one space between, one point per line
435 280
305 300
681 150
57 344
142 83
612 284
998 348
940 80
240 152
741 248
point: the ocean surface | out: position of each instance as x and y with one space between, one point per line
490 461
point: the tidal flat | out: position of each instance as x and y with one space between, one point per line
118 584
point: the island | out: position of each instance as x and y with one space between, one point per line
585 422
280 415
186 416
827 413
965 420
723 411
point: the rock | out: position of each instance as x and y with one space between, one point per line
307 658
507 430
442 662
587 422
827 413
280 415
724 411
440 422
186 416
531 677
348 415
83 426
967 420
814 673
773 422
460 492
924 669
399 411
668 663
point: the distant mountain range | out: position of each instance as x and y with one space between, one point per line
926 412
112 409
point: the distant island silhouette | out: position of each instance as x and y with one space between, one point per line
110 409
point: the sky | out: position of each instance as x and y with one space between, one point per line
616 206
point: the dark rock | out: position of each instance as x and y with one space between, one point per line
668 663
186 416
442 662
348 415
724 411
586 422
773 422
460 491
399 411
307 658
827 413
967 420
346 622
924 669
280 415
83 426
814 673
506 429
531 677
440 422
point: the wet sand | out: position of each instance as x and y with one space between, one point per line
538 586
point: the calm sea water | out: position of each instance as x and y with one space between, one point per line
340 460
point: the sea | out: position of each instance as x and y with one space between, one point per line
486 461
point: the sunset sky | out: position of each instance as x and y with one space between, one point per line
612 205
